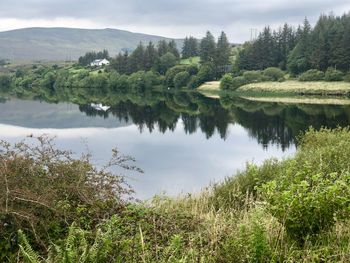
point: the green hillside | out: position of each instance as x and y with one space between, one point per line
67 43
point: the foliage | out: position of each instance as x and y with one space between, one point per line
181 79
312 75
44 190
238 82
226 82
323 46
273 74
312 192
193 83
190 48
347 77
333 75
206 73
167 61
253 76
207 48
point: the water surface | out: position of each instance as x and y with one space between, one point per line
182 141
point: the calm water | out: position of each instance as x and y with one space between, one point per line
182 141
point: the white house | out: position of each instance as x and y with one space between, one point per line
99 62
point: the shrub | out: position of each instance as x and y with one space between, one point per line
311 193
193 83
347 77
238 82
334 75
226 82
181 79
170 74
192 69
252 76
312 75
43 190
273 73
206 73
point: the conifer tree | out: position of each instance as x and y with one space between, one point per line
207 48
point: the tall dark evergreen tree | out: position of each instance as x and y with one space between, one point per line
190 47
300 57
150 56
137 59
207 48
223 51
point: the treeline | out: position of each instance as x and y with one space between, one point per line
324 46
165 55
91 56
158 57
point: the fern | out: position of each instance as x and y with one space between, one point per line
29 255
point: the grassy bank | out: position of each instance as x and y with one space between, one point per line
287 87
298 87
301 100
295 210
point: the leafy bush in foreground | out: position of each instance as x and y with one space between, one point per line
43 190
313 191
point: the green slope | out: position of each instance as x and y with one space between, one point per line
67 43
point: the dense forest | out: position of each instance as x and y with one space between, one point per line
298 50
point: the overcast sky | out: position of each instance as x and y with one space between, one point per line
170 18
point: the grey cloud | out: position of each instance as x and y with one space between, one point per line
204 14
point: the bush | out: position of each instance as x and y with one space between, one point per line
347 77
252 76
334 75
192 69
226 82
312 191
238 82
181 79
170 74
312 75
206 73
273 74
50 189
193 83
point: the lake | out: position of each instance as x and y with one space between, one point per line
182 141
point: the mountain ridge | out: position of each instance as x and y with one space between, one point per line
61 43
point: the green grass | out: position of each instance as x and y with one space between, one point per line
324 100
297 87
190 61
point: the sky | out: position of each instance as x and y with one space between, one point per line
169 18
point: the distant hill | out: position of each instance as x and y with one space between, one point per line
60 44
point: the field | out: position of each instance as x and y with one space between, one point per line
297 87
302 100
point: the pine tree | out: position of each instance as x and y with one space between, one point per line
172 48
136 61
223 51
207 48
150 56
